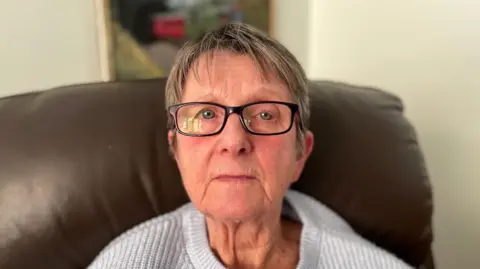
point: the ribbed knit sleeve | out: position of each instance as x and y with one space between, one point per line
157 243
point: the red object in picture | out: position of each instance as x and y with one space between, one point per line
169 27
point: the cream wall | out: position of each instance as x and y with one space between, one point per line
428 52
292 27
46 43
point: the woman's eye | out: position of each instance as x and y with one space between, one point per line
208 114
266 116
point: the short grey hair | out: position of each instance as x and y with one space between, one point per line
267 53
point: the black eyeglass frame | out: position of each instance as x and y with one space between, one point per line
229 110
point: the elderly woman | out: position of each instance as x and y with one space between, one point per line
239 108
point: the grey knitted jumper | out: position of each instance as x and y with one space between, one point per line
178 240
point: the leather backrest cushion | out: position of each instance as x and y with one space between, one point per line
367 165
81 164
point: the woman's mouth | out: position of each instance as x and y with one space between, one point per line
233 177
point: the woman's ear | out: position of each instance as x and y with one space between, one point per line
308 143
171 142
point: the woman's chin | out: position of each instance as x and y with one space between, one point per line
235 208
232 213
231 200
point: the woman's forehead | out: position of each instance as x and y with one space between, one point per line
226 75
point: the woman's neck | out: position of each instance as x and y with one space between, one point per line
265 242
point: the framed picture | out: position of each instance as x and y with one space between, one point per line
140 38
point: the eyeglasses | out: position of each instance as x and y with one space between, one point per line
259 118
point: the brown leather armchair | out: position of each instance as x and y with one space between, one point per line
81 164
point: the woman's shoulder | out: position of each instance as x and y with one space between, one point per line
150 241
339 244
353 251
165 223
314 213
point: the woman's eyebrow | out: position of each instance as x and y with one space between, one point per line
206 98
263 92
269 92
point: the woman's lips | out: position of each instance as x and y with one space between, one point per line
234 177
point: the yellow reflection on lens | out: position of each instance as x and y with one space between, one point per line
192 125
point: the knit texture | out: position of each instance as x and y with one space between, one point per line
178 240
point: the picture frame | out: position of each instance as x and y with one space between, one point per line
138 39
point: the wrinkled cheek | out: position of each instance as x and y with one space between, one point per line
193 178
281 164
190 152
192 161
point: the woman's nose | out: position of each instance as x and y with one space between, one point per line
234 139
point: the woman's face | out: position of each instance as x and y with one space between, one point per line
236 175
